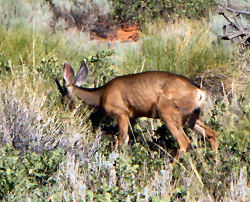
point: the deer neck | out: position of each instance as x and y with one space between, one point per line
91 96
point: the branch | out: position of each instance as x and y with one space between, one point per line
231 22
236 34
234 11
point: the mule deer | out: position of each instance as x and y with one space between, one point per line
173 98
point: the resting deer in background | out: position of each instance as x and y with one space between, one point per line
173 98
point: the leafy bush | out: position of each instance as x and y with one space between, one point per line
4 65
92 15
26 171
101 70
128 11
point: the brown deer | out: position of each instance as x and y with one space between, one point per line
156 94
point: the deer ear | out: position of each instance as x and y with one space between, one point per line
68 74
82 74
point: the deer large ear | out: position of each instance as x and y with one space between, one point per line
68 74
82 74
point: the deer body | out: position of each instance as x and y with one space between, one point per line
173 98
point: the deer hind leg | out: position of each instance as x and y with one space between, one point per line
209 134
174 124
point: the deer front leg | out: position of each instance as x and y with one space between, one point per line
209 134
175 127
123 136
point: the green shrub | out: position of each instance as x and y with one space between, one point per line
83 15
4 65
131 11
87 15
26 171
100 68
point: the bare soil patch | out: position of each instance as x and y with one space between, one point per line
129 33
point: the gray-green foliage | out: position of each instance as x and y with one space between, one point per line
83 15
19 13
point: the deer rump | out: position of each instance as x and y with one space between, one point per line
173 98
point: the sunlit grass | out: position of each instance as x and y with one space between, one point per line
185 47
27 46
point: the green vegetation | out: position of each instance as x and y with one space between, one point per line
51 153
148 10
27 171
187 48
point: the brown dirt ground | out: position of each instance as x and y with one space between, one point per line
129 33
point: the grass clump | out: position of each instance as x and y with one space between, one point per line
186 48
26 46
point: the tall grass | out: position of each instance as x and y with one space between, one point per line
26 36
27 46
186 48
